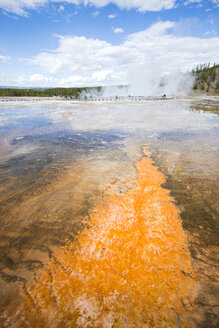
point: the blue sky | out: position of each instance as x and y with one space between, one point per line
92 42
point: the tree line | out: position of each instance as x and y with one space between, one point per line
50 92
206 78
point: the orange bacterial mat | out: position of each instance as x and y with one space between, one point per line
131 268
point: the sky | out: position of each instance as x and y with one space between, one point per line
48 43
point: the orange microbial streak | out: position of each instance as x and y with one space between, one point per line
131 268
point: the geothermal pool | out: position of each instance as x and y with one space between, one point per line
109 213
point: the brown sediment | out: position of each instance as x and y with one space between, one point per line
196 193
206 105
131 268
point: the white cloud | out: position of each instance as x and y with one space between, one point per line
111 16
79 54
20 7
96 13
118 30
192 1
4 58
152 54
61 8
199 2
82 61
38 78
34 80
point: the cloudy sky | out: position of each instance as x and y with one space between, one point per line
99 42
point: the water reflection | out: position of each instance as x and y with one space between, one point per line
60 160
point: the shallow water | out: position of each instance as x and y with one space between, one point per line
60 161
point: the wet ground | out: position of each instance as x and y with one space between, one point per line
60 160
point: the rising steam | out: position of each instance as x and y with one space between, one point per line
150 80
155 80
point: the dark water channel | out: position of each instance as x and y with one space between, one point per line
58 160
